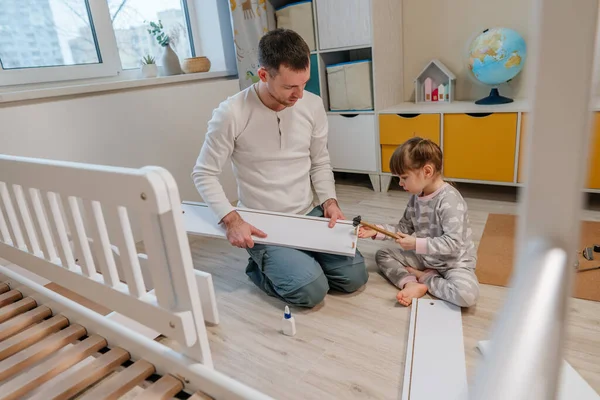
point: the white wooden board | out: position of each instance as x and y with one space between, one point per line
435 357
572 385
288 230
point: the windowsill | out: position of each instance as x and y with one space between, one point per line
127 81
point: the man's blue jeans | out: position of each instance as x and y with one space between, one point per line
303 278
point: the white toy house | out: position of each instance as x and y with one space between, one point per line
435 83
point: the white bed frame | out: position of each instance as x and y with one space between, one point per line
525 355
55 219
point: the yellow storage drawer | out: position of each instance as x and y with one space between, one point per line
386 153
398 128
522 149
480 146
594 164
593 172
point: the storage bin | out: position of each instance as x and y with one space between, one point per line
350 86
344 23
299 18
351 142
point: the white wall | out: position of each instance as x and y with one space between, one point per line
160 125
444 29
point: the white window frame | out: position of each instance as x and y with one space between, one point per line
205 18
110 64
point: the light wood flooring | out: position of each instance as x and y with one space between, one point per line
353 346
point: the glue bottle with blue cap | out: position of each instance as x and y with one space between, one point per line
288 323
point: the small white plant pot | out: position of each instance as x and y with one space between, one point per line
149 71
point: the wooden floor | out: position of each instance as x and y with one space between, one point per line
353 346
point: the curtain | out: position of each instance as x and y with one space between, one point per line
251 19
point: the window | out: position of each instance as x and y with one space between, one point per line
54 24
130 20
57 40
72 30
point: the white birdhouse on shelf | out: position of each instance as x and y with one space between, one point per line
435 83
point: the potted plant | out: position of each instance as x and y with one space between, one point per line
149 69
169 59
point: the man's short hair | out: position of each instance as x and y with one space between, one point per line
283 47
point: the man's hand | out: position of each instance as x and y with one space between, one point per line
239 232
332 211
407 242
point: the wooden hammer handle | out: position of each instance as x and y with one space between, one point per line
385 232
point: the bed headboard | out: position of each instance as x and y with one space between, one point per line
71 223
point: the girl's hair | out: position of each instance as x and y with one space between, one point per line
414 154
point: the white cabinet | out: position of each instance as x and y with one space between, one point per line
351 142
343 23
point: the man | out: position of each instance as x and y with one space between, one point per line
276 137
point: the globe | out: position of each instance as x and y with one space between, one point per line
496 56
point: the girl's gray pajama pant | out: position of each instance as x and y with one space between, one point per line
457 284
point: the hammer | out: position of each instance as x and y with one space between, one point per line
358 221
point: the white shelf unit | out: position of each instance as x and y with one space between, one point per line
344 32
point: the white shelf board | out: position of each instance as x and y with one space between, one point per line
460 106
342 49
435 357
365 112
455 107
287 230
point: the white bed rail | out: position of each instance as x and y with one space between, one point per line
527 340
67 221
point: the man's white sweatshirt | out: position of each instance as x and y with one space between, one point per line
274 155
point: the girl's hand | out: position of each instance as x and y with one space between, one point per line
366 232
407 242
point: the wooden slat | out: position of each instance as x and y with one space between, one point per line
86 376
38 351
17 308
17 324
50 367
10 297
29 337
200 396
121 383
163 389
4 288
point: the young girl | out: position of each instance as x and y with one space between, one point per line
441 255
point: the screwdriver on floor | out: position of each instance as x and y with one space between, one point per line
588 269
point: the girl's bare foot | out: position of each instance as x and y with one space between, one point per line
412 290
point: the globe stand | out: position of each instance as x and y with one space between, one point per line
494 98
